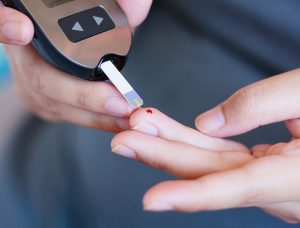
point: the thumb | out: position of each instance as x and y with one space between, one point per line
15 28
272 100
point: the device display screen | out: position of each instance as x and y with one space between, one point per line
53 3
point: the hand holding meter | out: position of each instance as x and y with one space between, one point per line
77 36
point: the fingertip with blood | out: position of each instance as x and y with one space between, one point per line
149 111
142 121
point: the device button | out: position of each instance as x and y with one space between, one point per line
86 24
77 27
98 20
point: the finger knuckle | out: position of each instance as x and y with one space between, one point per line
220 165
51 106
254 194
84 97
253 197
34 78
246 100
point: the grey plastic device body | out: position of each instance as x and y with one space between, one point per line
82 58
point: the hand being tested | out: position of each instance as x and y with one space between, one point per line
55 95
218 174
164 143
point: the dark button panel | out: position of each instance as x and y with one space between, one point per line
86 24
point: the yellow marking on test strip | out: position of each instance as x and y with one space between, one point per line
137 102
121 84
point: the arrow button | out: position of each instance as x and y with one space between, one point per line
86 24
98 20
77 27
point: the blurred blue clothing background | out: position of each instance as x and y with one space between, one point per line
4 69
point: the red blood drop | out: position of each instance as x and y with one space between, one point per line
149 111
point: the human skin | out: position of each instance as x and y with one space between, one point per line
266 176
216 173
57 96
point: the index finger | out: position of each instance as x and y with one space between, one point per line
98 97
152 121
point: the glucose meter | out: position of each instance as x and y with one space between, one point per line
77 36
86 38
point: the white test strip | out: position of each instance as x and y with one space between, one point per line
122 84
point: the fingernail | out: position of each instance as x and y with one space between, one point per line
211 121
159 207
13 29
117 106
146 128
124 151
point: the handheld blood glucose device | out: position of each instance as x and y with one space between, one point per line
86 38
